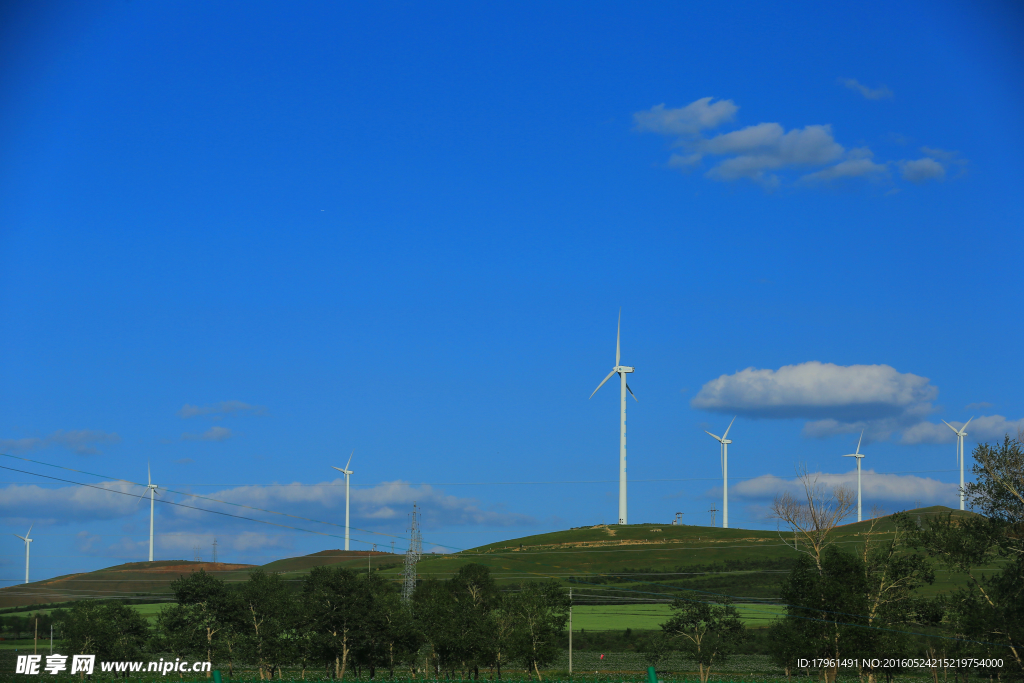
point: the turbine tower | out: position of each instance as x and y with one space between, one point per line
348 473
859 456
724 440
152 495
622 370
960 434
27 541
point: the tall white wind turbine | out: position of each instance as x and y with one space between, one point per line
960 434
724 440
348 473
622 370
859 456
152 495
27 541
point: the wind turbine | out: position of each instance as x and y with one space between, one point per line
348 473
859 457
724 440
27 541
623 370
152 495
960 434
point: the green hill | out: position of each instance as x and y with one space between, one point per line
604 564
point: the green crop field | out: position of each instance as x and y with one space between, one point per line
650 617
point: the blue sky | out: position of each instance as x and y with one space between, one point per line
239 240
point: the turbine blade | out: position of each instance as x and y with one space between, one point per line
632 394
29 532
350 458
714 435
149 474
955 430
602 383
21 537
965 425
338 468
859 440
726 435
618 333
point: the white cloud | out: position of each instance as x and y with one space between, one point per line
946 155
383 506
817 390
81 441
837 399
769 155
68 503
766 147
993 428
928 432
220 409
983 428
858 165
757 153
211 434
921 170
688 120
386 502
875 487
879 93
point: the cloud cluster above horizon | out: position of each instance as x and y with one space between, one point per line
769 155
837 399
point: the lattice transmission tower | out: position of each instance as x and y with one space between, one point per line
412 556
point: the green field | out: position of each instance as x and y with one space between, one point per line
650 617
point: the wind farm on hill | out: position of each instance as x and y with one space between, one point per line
599 552
613 564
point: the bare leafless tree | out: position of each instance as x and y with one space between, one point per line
813 518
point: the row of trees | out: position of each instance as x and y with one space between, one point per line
865 604
25 625
333 620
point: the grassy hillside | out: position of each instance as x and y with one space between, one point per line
604 564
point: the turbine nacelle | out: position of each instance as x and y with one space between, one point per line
959 432
857 453
724 438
